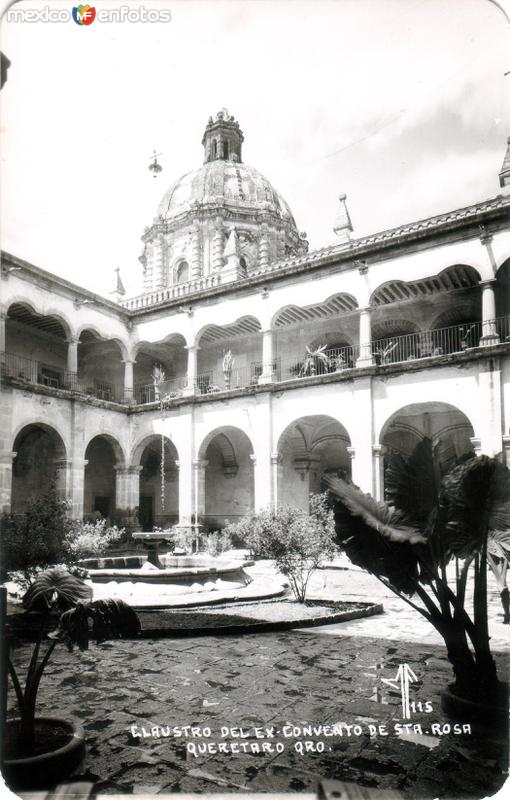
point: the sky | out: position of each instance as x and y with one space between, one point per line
400 104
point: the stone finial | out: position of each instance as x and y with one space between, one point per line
343 224
504 175
119 290
232 245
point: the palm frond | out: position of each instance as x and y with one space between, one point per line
99 620
411 485
375 537
56 588
474 499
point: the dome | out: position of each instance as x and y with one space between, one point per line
231 184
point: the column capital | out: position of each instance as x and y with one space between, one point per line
377 449
200 463
121 469
253 459
485 236
127 361
506 442
73 340
352 452
365 309
276 458
7 456
487 282
191 347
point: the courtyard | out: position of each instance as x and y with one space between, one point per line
250 698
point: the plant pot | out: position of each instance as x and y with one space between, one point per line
481 715
45 769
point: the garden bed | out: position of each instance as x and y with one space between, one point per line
252 617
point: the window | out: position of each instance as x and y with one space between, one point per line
182 272
243 264
225 150
214 149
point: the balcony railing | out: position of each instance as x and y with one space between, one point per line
173 292
148 393
389 350
36 372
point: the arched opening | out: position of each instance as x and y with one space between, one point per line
159 489
170 356
100 366
182 272
397 340
40 460
503 293
225 151
309 448
449 430
217 371
214 149
316 339
102 455
227 493
36 347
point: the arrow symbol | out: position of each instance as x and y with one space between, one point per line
402 679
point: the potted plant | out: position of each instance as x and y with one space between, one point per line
315 359
407 544
227 367
40 751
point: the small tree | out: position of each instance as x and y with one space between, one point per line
297 542
86 539
38 537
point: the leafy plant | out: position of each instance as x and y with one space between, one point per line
216 542
37 538
55 592
313 359
91 538
297 542
408 543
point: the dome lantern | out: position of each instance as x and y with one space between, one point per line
222 139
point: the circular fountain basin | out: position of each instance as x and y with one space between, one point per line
182 581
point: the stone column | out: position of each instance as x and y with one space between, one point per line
199 467
506 451
267 375
186 487
263 247
196 266
217 255
378 490
63 469
128 381
6 459
3 317
72 355
489 401
191 382
489 331
362 437
365 358
276 469
77 486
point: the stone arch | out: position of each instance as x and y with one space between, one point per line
103 454
40 460
48 313
170 353
111 438
181 271
449 429
332 306
225 483
503 290
452 277
308 448
243 338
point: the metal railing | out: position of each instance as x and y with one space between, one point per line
388 350
331 360
39 373
148 393
218 381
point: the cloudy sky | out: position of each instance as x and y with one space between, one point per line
401 104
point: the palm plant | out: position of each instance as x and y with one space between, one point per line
408 542
59 595
314 358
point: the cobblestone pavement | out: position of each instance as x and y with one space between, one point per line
282 681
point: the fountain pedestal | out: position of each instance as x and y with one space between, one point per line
153 541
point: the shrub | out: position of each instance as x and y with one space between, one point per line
86 539
297 542
38 538
216 542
